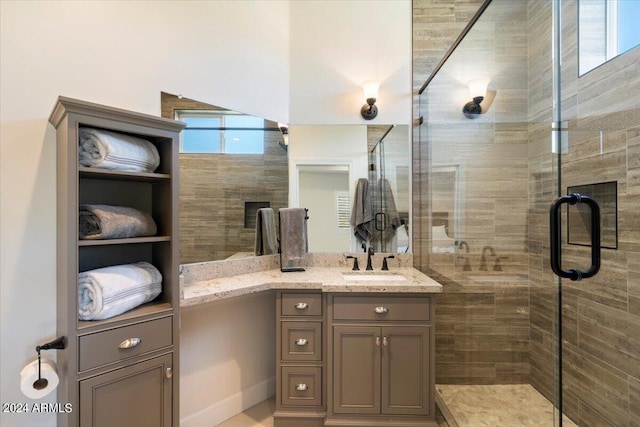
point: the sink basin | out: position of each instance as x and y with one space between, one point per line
498 278
374 277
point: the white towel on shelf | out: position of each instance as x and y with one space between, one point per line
117 151
110 291
114 222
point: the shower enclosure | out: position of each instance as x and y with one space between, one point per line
389 184
538 125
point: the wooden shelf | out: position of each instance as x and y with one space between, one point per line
140 313
131 240
97 173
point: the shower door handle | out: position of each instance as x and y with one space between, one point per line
556 236
380 221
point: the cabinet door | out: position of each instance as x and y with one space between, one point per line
405 370
138 395
356 370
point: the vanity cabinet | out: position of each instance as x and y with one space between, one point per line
300 356
381 369
355 359
119 371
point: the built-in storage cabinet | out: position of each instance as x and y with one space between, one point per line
347 359
117 371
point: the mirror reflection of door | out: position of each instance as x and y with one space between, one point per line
324 190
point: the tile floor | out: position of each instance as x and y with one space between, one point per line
461 405
495 406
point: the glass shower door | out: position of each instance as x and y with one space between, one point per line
596 154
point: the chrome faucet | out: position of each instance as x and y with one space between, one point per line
483 259
369 255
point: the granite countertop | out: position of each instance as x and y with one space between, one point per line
325 279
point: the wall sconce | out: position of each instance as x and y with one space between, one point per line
284 129
369 110
482 99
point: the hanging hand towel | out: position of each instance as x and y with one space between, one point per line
110 291
362 212
293 235
114 222
112 150
266 241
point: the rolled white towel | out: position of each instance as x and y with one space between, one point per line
111 150
110 291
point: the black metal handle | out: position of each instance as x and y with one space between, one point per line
556 236
381 221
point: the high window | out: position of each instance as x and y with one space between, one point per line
216 132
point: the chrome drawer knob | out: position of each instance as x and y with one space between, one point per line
381 310
302 306
301 387
385 342
301 341
169 373
130 343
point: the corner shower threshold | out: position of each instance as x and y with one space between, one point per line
495 406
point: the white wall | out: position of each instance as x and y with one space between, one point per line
338 45
228 53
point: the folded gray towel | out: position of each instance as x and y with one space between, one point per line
114 222
266 242
293 234
362 212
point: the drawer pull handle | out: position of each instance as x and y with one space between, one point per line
301 387
301 341
377 341
169 373
302 306
385 342
381 310
130 343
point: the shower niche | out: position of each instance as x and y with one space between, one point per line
579 216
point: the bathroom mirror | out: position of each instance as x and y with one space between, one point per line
606 29
445 200
231 164
220 192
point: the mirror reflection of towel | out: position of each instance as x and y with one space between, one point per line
266 242
384 202
293 234
362 212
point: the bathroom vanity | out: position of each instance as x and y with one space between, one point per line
352 348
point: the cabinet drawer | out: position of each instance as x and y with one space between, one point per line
381 307
301 386
301 341
301 304
105 347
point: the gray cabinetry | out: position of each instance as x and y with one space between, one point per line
118 371
354 360
380 371
300 373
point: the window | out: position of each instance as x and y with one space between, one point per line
221 132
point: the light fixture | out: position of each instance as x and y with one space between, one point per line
284 129
482 99
369 110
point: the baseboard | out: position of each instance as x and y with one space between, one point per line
220 411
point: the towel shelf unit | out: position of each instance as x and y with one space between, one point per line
99 379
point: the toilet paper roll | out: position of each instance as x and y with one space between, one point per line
29 375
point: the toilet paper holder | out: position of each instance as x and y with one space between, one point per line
57 344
